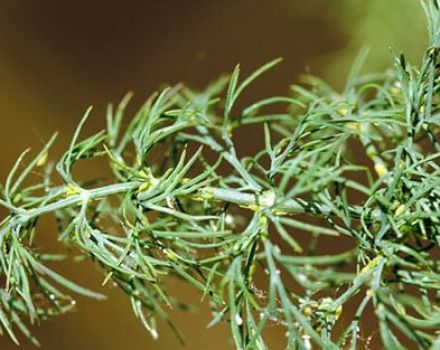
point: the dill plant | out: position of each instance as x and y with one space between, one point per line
249 232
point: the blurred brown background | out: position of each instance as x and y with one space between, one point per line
57 57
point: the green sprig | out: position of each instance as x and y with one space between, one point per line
248 232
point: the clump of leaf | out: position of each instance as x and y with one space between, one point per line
252 233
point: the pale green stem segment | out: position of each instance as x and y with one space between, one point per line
250 200
81 197
289 206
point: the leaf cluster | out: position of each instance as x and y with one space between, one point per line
251 232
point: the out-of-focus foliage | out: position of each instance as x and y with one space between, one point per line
377 25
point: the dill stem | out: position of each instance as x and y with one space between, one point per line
288 206
81 197
291 206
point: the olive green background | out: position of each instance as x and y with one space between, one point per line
58 57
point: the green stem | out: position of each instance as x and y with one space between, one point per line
82 197
292 206
289 206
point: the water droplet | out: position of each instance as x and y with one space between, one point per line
302 278
154 334
238 319
307 342
229 219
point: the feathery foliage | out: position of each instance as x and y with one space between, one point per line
338 214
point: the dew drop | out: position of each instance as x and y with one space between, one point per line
154 334
238 319
307 342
